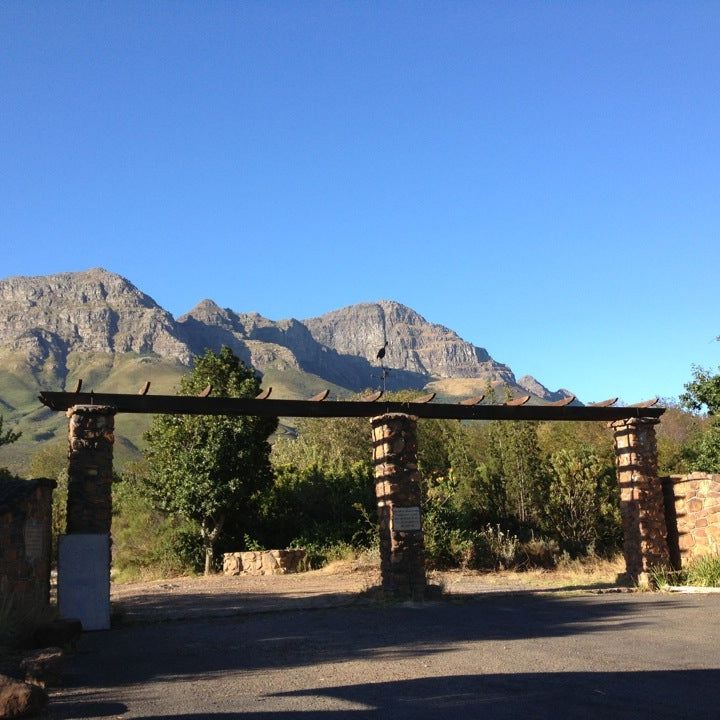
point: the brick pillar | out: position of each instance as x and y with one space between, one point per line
641 497
89 503
397 487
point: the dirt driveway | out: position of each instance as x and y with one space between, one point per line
339 584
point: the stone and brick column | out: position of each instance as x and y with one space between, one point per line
397 488
641 497
90 469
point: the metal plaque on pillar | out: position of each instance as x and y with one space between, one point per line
406 519
84 579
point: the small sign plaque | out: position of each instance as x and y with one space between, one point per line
34 541
406 519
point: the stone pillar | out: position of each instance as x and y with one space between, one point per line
397 488
641 497
90 469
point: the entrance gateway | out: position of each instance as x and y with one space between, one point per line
397 481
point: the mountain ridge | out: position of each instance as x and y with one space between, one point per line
98 326
48 317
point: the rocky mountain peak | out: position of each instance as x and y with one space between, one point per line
93 311
533 386
414 344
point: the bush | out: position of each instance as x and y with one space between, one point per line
317 507
581 509
146 542
704 572
701 572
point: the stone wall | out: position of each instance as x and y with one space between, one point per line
692 504
263 562
25 540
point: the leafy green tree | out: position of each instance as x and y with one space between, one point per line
206 468
703 391
572 500
518 457
325 442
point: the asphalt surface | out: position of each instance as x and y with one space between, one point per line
498 656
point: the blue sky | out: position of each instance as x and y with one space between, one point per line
544 178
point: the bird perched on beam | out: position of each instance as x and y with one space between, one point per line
381 352
380 355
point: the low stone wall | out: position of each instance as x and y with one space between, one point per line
263 562
692 509
25 540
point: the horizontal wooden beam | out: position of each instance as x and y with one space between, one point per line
185 405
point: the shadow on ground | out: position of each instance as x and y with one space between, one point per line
617 695
178 650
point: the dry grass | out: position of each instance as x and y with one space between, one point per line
586 573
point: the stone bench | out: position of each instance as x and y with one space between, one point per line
263 562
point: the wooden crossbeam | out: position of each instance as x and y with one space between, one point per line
186 405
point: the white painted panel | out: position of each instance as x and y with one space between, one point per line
84 579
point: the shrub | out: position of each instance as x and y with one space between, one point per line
701 572
318 507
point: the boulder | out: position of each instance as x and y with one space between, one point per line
20 699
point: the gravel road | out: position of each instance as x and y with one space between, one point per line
483 655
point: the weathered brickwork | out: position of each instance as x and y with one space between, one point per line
263 562
91 437
693 511
25 540
641 497
398 492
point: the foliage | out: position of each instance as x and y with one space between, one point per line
317 506
706 449
703 391
146 541
325 442
51 461
701 572
581 506
8 436
205 469
520 466
678 435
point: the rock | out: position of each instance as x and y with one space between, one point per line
92 311
533 386
20 699
263 562
43 667
58 633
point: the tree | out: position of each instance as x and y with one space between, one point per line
207 468
518 455
6 438
574 498
704 392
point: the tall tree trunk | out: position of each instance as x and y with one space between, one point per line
211 528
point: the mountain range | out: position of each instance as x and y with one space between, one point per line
96 325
